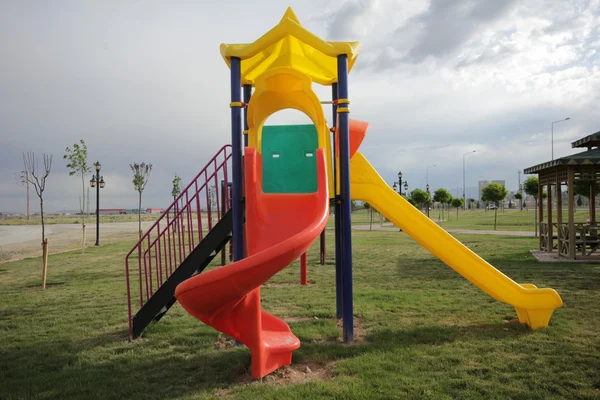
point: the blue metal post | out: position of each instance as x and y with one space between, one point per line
339 310
346 205
247 96
236 157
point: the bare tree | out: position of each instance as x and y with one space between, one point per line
23 181
141 173
37 178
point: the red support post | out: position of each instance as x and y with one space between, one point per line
303 270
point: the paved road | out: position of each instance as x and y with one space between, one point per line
14 234
468 231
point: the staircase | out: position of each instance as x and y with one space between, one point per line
180 244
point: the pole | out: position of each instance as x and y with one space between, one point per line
464 197
236 152
303 272
552 139
97 207
247 96
339 284
344 138
27 180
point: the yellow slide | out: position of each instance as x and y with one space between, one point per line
534 306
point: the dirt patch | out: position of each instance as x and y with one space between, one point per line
512 321
224 342
360 334
291 320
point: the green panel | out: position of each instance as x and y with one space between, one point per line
289 158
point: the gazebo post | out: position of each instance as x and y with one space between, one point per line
593 200
558 209
540 209
550 230
572 238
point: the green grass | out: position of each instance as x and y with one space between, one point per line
425 331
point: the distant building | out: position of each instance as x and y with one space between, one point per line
483 184
155 210
112 211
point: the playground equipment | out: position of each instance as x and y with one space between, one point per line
283 186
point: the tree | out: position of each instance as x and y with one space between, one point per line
175 192
458 203
531 188
420 197
441 196
582 188
519 196
448 203
141 174
495 193
38 179
77 157
366 205
471 203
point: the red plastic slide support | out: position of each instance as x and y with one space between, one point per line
303 272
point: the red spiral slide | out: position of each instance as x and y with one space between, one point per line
279 228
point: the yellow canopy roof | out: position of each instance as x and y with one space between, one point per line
289 44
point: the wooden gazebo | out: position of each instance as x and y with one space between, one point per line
574 239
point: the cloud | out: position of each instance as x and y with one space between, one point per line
144 81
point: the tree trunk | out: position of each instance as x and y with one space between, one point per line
457 213
83 214
495 216
42 215
45 262
140 215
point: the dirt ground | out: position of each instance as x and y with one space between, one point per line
23 241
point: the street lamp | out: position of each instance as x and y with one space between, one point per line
398 185
464 195
552 129
97 181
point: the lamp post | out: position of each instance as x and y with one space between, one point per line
97 181
427 176
552 132
398 185
464 194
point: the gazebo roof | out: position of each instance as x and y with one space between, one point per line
590 157
588 141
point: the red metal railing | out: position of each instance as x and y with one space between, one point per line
178 230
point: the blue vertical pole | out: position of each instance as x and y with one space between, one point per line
346 205
236 157
247 96
339 310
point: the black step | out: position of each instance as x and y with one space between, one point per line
195 263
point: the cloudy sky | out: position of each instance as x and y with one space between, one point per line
142 80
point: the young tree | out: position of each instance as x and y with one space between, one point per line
519 197
420 197
470 203
495 193
582 188
458 203
530 186
448 203
38 179
175 192
77 158
441 196
141 174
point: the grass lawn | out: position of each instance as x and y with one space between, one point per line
423 331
